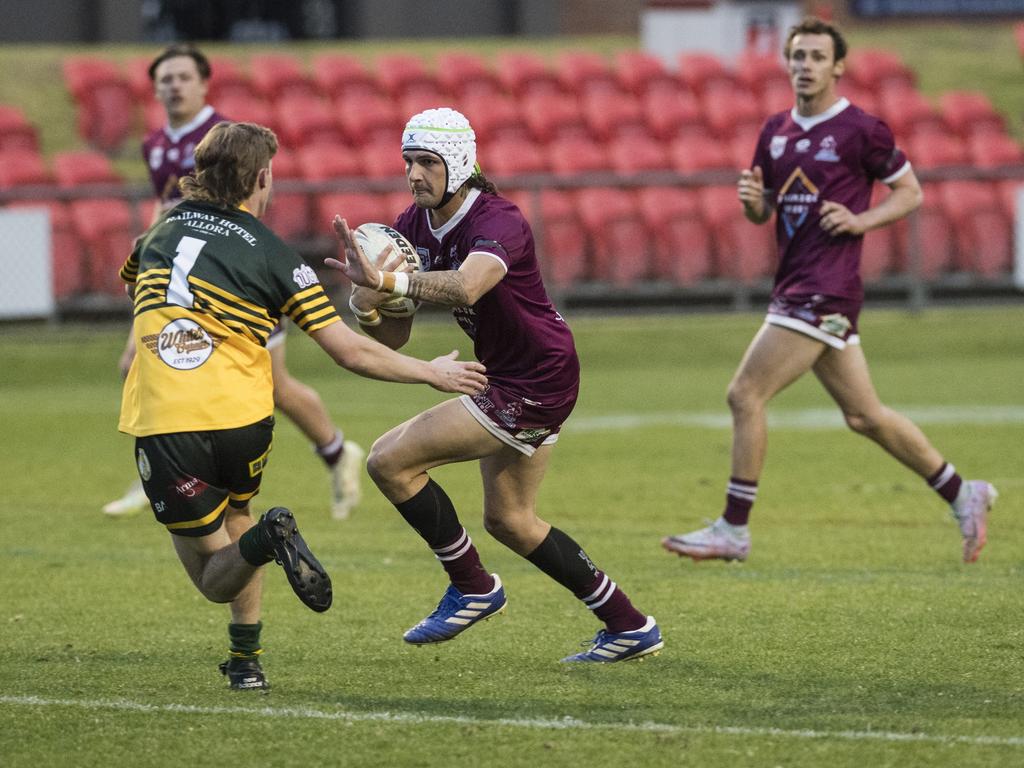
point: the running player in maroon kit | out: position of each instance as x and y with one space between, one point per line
815 167
478 258
180 76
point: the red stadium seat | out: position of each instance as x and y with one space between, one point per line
574 156
635 154
289 211
640 72
729 111
696 153
324 162
382 159
968 112
620 243
775 97
609 113
936 151
67 252
758 71
465 74
925 241
276 75
859 97
671 114
994 151
397 72
107 228
137 73
355 207
681 244
228 79
106 104
584 71
512 157
369 116
878 251
984 238
743 251
493 117
907 112
521 72
20 167
396 203
303 120
701 72
549 115
16 132
421 96
561 244
340 74
874 69
245 109
78 169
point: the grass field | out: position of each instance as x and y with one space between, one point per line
853 636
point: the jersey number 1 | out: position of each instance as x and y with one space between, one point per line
185 256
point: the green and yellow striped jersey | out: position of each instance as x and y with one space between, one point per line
210 285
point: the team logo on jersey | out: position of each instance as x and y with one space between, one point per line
827 151
796 198
778 146
304 276
183 344
156 157
803 145
424 258
145 470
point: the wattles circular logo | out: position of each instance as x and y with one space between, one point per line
145 471
184 344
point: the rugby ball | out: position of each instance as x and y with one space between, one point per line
374 239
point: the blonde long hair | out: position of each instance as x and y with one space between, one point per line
228 162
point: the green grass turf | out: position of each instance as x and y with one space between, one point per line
853 636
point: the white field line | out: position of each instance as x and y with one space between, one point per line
562 724
810 418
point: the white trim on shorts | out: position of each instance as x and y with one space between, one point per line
494 429
814 332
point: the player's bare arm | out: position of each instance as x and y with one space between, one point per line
757 205
457 288
368 358
905 197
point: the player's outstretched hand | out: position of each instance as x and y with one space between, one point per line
465 378
356 266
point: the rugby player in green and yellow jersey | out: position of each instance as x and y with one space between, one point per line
209 282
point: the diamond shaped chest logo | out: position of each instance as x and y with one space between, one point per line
796 198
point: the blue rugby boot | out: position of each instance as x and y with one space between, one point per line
456 613
607 647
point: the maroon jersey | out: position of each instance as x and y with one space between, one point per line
170 152
517 333
834 156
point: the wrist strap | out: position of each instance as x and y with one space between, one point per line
395 283
370 318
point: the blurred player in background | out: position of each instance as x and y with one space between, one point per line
815 167
478 258
209 283
180 76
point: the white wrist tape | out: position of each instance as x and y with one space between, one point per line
401 284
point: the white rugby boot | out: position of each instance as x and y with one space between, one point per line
970 510
719 541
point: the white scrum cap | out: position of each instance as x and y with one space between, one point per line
447 133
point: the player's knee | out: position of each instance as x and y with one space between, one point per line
380 462
217 594
861 423
740 397
501 527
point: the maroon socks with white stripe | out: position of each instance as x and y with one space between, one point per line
946 482
564 560
462 564
739 498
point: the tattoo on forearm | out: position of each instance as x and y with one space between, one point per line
446 288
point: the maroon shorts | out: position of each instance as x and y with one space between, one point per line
825 318
519 421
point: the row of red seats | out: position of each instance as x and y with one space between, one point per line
616 236
105 93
